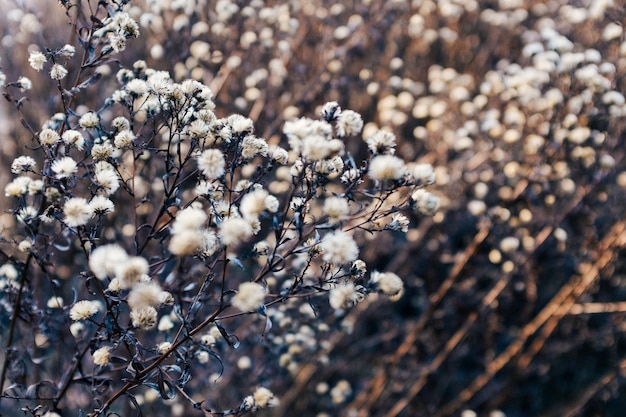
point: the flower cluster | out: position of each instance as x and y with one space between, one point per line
167 232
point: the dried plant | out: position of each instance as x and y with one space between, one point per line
153 236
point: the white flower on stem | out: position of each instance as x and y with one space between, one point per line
263 397
89 120
37 60
143 295
399 222
73 138
17 187
105 259
35 187
280 155
108 180
426 203
386 167
234 230
339 248
144 318
22 164
212 163
423 173
132 271
337 209
101 151
253 204
24 84
185 242
67 51
249 297
190 218
64 167
137 88
83 310
77 212
349 123
252 146
102 356
58 72
241 124
382 143
101 205
331 111
48 137
387 282
344 295
271 204
124 139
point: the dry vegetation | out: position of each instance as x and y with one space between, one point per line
514 291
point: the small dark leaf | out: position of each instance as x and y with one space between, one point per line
133 401
237 262
166 388
232 340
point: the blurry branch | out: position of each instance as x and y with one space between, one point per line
368 397
551 314
575 409
366 400
595 308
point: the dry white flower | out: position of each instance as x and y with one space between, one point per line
382 143
190 218
350 123
64 167
77 212
73 138
22 164
344 295
37 60
101 151
55 302
339 248
280 155
387 282
426 203
58 72
253 204
386 167
101 205
131 271
102 356
185 242
83 310
249 297
108 180
234 230
399 222
124 139
423 173
263 397
17 187
337 209
105 259
144 318
48 137
143 295
252 146
89 120
212 163
24 84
